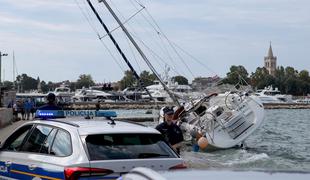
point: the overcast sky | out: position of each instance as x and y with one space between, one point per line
53 40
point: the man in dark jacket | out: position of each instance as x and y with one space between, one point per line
51 103
171 132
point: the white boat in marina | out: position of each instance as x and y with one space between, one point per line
85 94
63 93
159 94
270 95
63 90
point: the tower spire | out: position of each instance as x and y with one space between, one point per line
270 62
270 53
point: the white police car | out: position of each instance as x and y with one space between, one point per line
79 148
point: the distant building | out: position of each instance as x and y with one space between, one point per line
271 62
202 83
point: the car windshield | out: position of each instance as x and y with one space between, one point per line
127 146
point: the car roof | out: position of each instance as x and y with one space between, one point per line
98 125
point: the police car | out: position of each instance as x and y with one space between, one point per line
86 147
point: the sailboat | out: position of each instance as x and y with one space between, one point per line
225 120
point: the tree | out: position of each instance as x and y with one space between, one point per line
44 87
128 80
8 85
180 80
26 83
147 78
85 80
261 78
237 74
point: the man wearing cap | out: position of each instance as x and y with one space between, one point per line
171 132
51 103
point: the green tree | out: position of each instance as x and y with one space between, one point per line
26 82
44 87
236 75
128 80
261 78
8 85
180 80
85 80
147 78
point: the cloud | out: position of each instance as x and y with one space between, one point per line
219 33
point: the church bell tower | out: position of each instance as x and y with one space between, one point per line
271 62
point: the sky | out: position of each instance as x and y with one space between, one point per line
57 40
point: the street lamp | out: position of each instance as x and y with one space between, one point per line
1 66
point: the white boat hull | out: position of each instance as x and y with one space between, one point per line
238 126
228 120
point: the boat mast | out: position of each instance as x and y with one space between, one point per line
172 96
119 49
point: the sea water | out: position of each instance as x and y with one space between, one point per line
282 143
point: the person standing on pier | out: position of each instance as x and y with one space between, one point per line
171 132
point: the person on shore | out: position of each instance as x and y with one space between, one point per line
15 112
51 103
171 132
33 108
27 108
22 109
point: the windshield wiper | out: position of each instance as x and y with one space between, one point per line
150 155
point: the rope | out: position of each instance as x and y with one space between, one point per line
97 33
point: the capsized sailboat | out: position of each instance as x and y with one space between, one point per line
225 120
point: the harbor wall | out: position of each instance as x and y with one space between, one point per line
119 105
6 116
159 105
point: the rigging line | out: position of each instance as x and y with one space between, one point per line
163 49
171 45
143 56
194 58
97 32
128 41
119 49
123 23
133 32
157 32
136 36
156 55
133 53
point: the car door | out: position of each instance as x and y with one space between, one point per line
34 156
9 150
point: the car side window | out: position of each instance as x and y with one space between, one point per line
46 146
36 138
14 142
62 144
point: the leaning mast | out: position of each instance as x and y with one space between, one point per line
173 97
118 48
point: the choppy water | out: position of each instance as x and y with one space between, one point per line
282 143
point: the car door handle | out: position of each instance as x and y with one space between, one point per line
8 163
32 167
